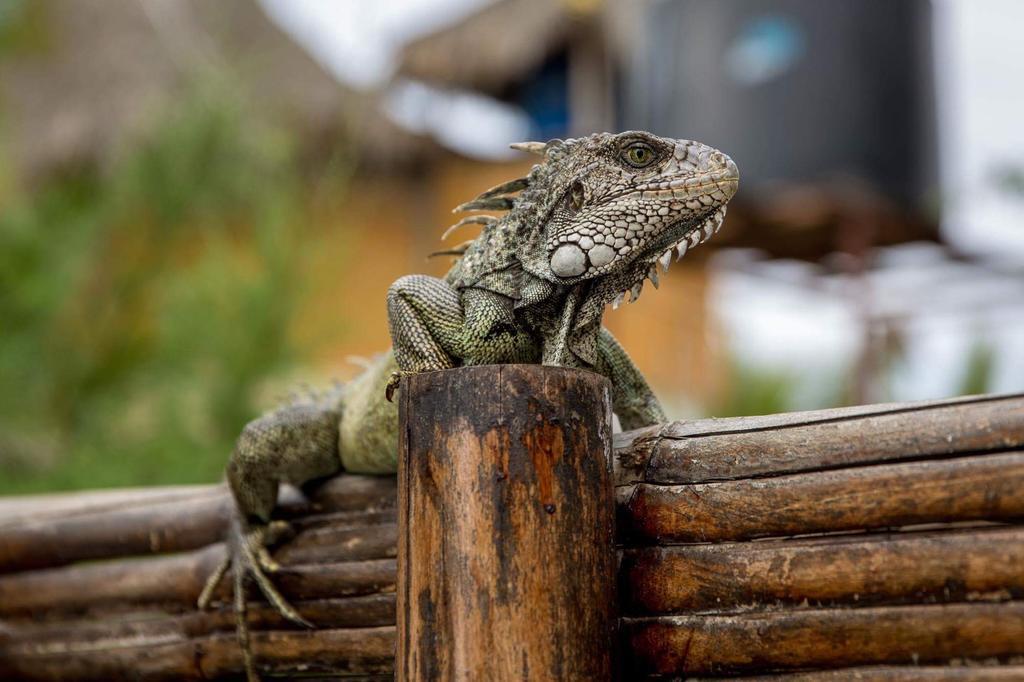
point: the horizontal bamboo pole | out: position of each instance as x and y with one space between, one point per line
832 638
955 565
181 656
20 509
116 524
96 630
163 584
697 451
967 488
974 672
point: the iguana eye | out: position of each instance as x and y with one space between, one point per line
639 154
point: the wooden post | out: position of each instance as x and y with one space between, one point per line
506 513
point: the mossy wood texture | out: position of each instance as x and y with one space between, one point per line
506 541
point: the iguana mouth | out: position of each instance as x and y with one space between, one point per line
688 188
708 225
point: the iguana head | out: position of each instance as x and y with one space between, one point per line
609 207
615 205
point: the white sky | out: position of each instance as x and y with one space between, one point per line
980 80
358 40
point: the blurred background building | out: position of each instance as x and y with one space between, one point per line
202 204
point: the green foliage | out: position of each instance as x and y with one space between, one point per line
143 307
1009 179
755 391
979 370
24 26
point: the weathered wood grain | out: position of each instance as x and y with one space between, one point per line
136 618
343 542
887 568
506 555
176 581
182 656
32 636
966 488
127 525
831 638
961 672
703 450
20 509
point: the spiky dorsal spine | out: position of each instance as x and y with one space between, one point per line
484 220
497 198
457 250
530 147
512 237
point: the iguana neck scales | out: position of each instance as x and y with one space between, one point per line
585 228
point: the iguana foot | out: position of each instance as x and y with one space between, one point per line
247 553
393 383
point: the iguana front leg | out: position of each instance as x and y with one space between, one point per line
434 327
294 444
632 399
425 318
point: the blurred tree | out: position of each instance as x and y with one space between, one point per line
144 306
22 26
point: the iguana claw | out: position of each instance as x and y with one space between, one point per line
394 381
247 552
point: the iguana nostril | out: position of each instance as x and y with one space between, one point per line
568 260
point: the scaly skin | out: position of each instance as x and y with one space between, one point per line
586 226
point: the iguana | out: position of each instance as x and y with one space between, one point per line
585 228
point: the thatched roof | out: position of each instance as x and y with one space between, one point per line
500 43
102 68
